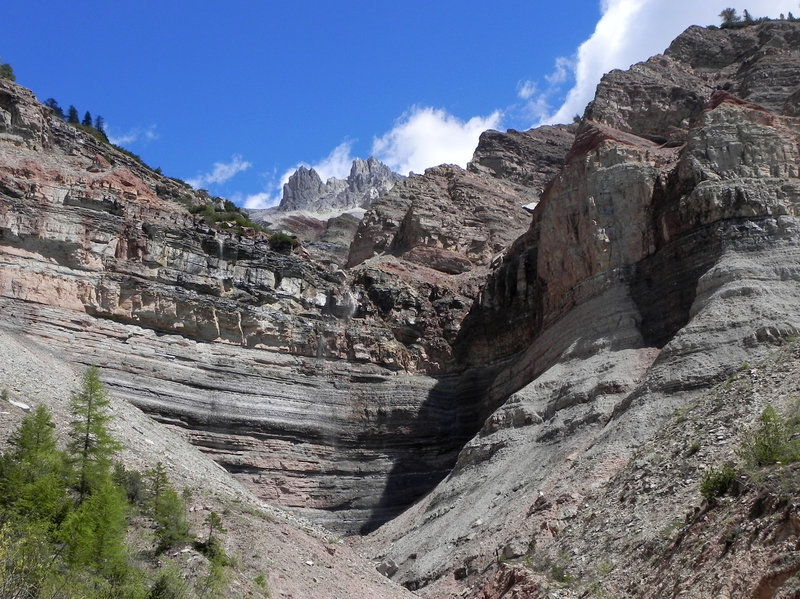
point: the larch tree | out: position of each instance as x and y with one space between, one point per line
91 446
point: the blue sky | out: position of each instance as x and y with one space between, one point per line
234 96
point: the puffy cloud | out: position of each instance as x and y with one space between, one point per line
220 172
630 31
257 201
336 164
139 134
564 69
526 89
424 137
270 196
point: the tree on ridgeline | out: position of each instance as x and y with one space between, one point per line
53 105
6 72
72 115
728 16
87 119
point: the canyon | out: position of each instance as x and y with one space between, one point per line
479 381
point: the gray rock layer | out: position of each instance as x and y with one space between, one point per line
660 259
368 179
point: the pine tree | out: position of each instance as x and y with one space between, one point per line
100 124
6 72
94 534
53 105
72 115
728 16
158 483
172 528
214 523
91 446
33 480
87 119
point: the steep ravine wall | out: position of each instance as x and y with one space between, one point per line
305 382
662 258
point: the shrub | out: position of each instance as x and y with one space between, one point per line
6 72
282 243
168 586
773 441
717 481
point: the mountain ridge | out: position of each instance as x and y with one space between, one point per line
468 383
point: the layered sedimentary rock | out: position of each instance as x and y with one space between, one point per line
662 257
524 363
293 374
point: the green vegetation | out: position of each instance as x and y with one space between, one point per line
732 20
282 243
717 481
774 442
224 214
66 514
6 72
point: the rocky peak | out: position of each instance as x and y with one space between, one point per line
302 189
305 190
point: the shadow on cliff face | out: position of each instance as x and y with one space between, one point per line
663 287
425 450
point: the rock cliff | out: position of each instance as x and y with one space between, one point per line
508 381
321 389
661 258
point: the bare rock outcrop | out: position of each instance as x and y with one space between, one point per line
368 179
310 384
660 258
324 216
506 380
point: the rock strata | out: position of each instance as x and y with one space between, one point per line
658 260
508 381
293 374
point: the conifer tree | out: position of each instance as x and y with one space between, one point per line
100 124
91 446
53 105
728 16
39 488
72 115
172 527
6 72
158 483
87 119
94 534
214 523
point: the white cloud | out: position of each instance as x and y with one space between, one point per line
424 137
526 89
564 69
336 164
270 196
631 31
257 201
220 172
132 136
